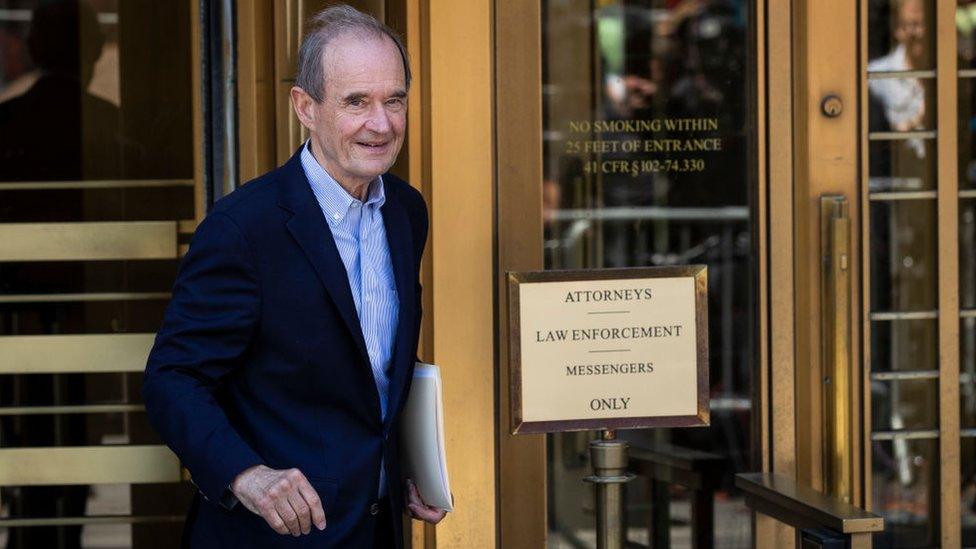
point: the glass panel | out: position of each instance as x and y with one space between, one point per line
98 317
647 156
903 263
967 373
71 429
901 36
902 105
968 506
966 33
902 166
54 390
967 132
903 255
91 91
900 40
40 206
901 345
904 404
101 499
101 276
904 486
967 254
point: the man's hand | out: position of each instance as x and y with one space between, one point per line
284 498
419 509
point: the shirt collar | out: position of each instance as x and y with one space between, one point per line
332 198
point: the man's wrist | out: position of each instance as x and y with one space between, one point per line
236 484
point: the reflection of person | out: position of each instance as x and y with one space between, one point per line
64 42
17 72
903 99
288 347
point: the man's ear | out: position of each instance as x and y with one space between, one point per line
304 107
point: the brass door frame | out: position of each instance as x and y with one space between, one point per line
948 238
518 85
777 378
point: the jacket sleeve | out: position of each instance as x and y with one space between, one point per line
207 328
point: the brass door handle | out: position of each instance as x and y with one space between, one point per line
838 380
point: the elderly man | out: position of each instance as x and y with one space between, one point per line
287 350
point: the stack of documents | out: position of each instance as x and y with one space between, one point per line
422 438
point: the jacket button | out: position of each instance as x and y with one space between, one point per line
374 509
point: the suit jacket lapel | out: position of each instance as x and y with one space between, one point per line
310 229
399 238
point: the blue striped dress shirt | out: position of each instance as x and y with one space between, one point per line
359 234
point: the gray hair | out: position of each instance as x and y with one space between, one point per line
326 26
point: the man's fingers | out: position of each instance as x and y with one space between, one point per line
314 504
419 509
298 505
295 479
427 514
284 498
413 495
288 515
274 520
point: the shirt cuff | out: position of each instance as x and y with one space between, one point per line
228 500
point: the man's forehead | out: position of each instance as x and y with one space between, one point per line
359 52
913 7
359 73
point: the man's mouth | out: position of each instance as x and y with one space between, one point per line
370 145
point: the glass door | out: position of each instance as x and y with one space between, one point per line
918 242
646 156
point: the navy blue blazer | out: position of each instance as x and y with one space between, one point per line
261 360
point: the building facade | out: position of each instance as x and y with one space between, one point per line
816 155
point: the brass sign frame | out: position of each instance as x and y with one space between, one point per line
701 419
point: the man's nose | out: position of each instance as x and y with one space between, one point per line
379 120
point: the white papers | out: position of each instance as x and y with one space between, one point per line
422 438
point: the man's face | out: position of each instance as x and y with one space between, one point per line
911 30
357 130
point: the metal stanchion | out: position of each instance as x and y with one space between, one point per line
609 458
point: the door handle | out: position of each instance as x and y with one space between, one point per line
838 380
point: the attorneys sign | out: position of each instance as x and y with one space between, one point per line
608 349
